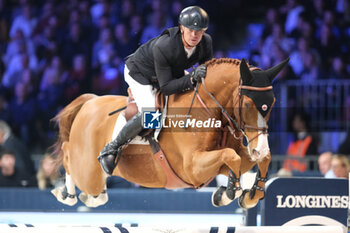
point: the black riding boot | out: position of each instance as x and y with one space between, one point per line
107 156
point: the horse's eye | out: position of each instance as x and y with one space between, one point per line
245 141
246 105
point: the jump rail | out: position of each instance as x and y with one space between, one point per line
12 228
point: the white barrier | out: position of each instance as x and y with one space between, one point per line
11 228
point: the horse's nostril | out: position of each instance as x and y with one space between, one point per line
256 152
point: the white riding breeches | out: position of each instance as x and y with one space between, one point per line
144 95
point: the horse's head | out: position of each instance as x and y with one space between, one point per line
254 105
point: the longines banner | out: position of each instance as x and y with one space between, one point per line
305 201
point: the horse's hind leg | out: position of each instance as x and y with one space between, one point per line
94 201
66 194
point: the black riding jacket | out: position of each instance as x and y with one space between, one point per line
162 60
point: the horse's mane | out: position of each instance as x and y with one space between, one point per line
215 61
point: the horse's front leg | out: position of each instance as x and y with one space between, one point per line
203 165
225 195
251 197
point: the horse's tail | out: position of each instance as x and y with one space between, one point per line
64 119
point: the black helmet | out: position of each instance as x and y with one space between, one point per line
194 17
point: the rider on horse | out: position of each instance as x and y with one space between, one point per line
160 64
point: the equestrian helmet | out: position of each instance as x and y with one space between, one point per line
194 17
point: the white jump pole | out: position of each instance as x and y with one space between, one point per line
179 229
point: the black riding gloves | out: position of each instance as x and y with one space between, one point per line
198 73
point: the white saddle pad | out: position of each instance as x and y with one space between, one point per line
121 121
119 124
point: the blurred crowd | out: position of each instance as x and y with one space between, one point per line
52 51
314 34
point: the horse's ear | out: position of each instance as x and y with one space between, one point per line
246 76
272 72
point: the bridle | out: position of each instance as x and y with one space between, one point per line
232 123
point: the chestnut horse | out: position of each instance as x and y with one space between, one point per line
239 97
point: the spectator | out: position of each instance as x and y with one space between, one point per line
340 166
48 176
311 71
109 79
324 164
75 43
10 176
47 10
125 12
50 95
10 142
329 20
99 9
25 21
304 144
123 45
338 69
23 110
78 80
18 44
327 45
272 18
158 24
16 66
276 39
297 56
46 47
103 51
84 8
292 10
136 29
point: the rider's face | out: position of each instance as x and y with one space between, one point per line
191 37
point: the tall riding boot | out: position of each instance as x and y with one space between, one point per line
108 155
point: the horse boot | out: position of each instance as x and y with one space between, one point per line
108 155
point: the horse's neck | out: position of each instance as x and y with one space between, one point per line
222 87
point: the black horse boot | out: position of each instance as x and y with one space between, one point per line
108 155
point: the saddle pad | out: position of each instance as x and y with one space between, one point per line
119 124
121 121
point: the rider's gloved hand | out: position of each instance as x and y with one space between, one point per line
199 73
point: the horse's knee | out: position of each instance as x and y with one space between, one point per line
232 159
230 155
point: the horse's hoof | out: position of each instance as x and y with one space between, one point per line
243 202
91 201
63 198
107 163
216 197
